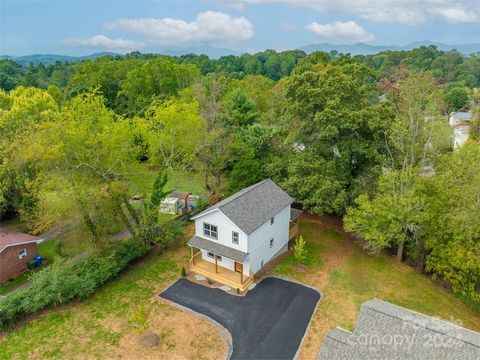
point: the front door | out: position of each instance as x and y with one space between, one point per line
238 267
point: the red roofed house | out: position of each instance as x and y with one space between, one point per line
16 250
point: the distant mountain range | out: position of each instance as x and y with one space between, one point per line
365 49
214 52
47 59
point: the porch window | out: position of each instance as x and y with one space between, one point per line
235 237
22 253
218 257
210 254
271 242
210 231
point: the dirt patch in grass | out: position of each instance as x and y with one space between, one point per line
183 336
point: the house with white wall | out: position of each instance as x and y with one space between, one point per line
237 237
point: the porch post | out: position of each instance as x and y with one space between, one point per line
216 264
191 253
241 275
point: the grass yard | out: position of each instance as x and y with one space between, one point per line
347 277
142 182
107 325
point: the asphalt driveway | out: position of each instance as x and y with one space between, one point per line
268 323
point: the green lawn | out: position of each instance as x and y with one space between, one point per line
347 277
142 182
108 323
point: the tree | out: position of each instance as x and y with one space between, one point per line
456 98
239 110
174 132
82 157
247 171
299 250
394 217
453 226
159 193
337 129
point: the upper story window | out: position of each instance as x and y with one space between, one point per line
271 242
22 253
272 221
210 231
234 237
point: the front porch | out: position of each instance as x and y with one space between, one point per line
217 273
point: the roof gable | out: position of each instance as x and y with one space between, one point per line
12 238
253 206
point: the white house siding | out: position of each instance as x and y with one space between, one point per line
259 241
227 263
225 228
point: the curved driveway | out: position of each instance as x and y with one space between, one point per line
268 323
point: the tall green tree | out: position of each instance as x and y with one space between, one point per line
338 128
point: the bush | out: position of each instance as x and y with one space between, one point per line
32 264
184 272
66 280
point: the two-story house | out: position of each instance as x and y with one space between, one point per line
238 236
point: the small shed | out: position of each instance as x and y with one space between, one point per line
170 205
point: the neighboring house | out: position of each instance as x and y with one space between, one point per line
459 117
242 233
387 331
461 122
16 250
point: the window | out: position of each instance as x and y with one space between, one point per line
213 256
272 221
22 253
210 230
261 264
271 242
235 237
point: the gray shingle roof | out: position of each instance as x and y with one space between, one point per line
218 249
253 206
387 331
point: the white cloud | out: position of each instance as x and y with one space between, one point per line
456 15
340 32
237 5
410 12
105 43
208 27
288 26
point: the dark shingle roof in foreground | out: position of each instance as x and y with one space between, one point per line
387 331
253 206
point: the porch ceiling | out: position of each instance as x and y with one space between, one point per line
218 249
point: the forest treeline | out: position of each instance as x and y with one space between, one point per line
365 138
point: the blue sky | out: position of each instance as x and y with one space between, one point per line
83 27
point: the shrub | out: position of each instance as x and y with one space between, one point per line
32 264
299 251
184 272
66 280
